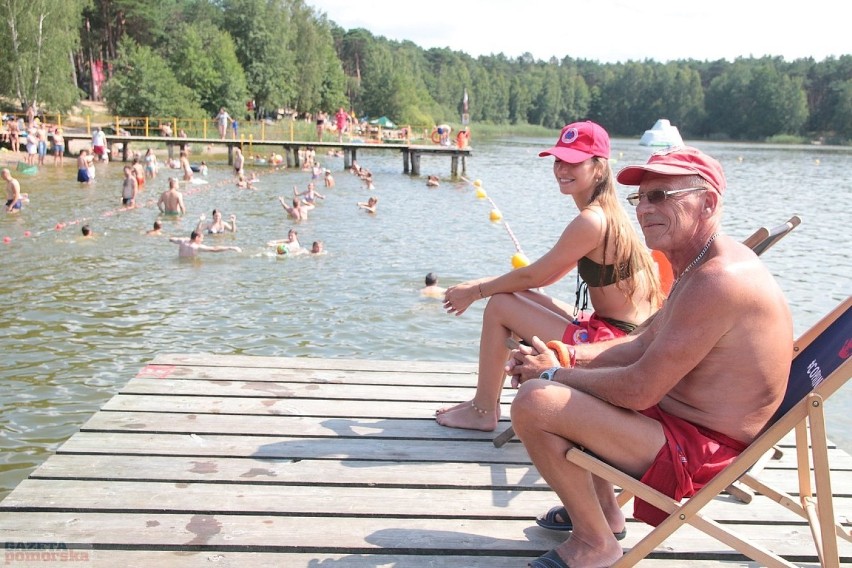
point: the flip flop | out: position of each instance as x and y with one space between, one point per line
557 519
549 560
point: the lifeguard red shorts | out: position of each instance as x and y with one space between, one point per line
690 458
590 330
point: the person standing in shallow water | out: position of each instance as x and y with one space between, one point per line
600 242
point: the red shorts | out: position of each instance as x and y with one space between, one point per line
591 330
99 150
691 457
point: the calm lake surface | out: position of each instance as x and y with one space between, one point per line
82 317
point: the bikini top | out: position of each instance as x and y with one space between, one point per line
599 275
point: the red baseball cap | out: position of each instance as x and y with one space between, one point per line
677 161
580 141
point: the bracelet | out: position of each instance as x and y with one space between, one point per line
565 353
481 295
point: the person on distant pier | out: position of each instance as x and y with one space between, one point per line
99 143
223 120
321 117
342 121
58 147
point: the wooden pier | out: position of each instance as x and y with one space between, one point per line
411 153
205 460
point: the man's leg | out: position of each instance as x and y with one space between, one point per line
550 419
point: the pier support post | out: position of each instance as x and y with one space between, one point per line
415 163
405 168
288 157
230 155
454 166
464 165
347 158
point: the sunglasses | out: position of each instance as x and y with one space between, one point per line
658 195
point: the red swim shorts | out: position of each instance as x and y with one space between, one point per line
691 457
590 330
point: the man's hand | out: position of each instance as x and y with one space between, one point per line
528 362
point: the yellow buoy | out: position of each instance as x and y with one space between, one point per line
496 215
480 193
519 260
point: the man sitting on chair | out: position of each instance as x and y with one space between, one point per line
673 403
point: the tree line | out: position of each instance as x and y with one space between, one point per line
188 58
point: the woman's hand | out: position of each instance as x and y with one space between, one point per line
459 297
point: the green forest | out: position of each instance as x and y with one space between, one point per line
188 58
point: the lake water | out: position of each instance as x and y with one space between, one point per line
82 316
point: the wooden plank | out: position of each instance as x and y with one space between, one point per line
301 426
331 376
272 447
332 472
410 536
439 395
413 500
326 472
276 406
256 361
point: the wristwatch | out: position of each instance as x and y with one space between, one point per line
549 374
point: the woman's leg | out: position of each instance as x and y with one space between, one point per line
504 315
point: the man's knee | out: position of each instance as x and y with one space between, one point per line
527 405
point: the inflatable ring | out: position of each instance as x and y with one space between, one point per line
436 137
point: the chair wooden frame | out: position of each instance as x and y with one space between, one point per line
760 241
806 416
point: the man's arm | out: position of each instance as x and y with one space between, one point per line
161 204
181 206
207 248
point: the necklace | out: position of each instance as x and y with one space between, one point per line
695 261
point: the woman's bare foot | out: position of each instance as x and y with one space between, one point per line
469 417
454 407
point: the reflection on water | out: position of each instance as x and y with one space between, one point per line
84 315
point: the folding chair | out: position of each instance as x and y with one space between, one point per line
760 241
821 365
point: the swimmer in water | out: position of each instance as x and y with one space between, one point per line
216 225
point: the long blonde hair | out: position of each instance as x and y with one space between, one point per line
632 258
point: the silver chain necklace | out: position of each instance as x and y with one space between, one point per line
695 261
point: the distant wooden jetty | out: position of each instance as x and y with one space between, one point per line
411 153
205 460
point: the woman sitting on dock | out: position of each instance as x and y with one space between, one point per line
608 254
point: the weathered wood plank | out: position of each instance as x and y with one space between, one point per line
331 472
294 448
271 533
256 361
309 498
330 376
327 472
440 395
277 406
301 426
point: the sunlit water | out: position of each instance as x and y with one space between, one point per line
81 317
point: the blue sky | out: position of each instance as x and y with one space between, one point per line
606 30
